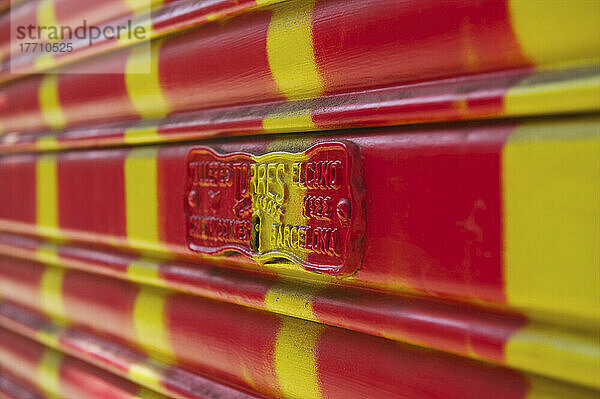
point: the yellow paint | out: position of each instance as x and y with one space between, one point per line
290 50
46 16
296 358
143 6
294 121
145 375
299 143
46 194
145 271
553 97
541 388
149 320
145 393
293 300
573 356
293 202
128 38
51 295
50 102
44 61
262 3
47 253
143 81
554 31
48 373
47 143
248 379
141 198
136 135
48 338
551 190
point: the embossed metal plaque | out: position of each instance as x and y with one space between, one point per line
304 208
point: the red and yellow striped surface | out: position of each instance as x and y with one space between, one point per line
273 354
513 93
470 331
448 226
60 376
475 267
332 46
158 18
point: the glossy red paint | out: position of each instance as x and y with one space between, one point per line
392 42
420 320
200 333
18 176
453 225
171 16
236 201
82 205
471 97
341 31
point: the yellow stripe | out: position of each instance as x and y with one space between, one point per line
565 355
47 253
143 81
292 301
47 143
566 96
262 3
142 374
46 194
49 373
143 6
46 16
149 320
136 135
540 388
551 190
294 197
296 358
300 143
145 271
141 198
48 338
44 61
128 38
50 102
51 294
282 121
555 31
290 50
145 393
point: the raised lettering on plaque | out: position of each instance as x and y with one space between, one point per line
304 208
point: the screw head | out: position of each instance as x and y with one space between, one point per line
193 199
343 210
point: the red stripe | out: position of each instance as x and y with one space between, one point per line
410 41
346 361
23 278
93 95
212 65
204 333
20 107
437 209
110 302
91 191
17 197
